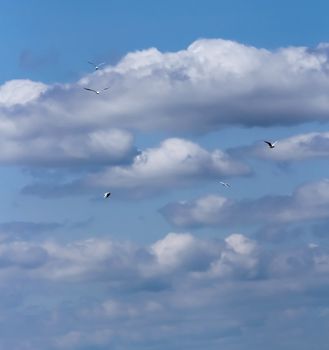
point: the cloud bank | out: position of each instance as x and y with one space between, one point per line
159 294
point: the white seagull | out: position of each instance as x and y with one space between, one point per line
270 144
107 194
97 66
225 184
96 91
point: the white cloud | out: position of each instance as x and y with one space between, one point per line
84 149
113 262
203 210
169 250
214 83
240 244
295 148
211 84
39 128
240 258
93 148
126 265
20 92
309 201
101 293
87 259
218 82
185 251
176 162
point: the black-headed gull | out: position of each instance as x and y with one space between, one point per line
225 184
107 194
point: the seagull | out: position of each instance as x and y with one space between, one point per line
270 144
96 91
107 194
97 66
225 184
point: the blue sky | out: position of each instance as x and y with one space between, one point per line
172 259
61 36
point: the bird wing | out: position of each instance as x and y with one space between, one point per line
269 143
274 143
101 64
92 63
90 90
106 88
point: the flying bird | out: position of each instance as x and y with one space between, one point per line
225 184
96 91
270 144
97 66
107 194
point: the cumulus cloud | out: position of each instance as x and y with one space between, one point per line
126 265
20 92
214 83
101 259
308 202
85 149
211 84
31 135
185 251
176 162
118 262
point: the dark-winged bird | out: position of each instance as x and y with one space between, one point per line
96 91
270 144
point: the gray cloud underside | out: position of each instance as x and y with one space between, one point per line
35 132
308 202
178 291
